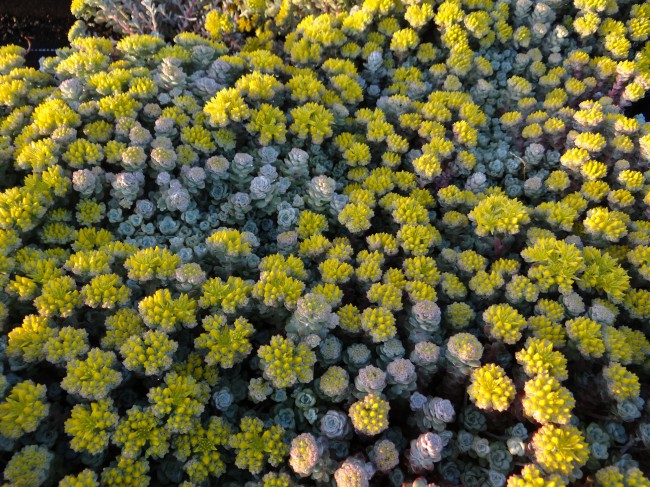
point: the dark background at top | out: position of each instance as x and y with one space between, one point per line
36 8
46 23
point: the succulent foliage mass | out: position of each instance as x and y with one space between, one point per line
278 243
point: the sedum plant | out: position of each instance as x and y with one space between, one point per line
276 243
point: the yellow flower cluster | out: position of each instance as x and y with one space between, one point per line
254 444
23 409
105 291
546 401
226 344
178 401
161 311
626 345
370 415
91 426
225 107
621 383
29 466
379 323
560 449
538 357
554 263
94 377
586 334
490 388
139 433
67 344
149 353
499 215
285 364
504 323
532 476
152 263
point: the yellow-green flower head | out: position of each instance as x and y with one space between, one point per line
610 477
539 357
335 272
275 288
379 323
254 444
195 366
179 401
160 311
304 454
105 291
634 478
622 384
459 315
499 215
349 318
554 262
152 263
139 433
228 242
94 377
23 409
504 323
418 239
89 263
285 364
560 449
85 478
225 296
386 295
625 345
270 123
603 273
59 297
30 467
419 15
587 336
275 479
452 286
334 382
521 288
226 106
68 344
465 348
91 425
546 401
305 87
201 443
532 476
637 303
126 471
27 341
218 23
356 217
421 268
490 388
226 344
312 119
310 223
370 415
150 352
610 225
470 261
52 114
120 326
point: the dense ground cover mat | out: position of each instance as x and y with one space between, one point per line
400 243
